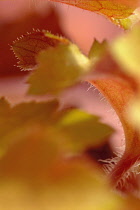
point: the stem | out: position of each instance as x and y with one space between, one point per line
126 162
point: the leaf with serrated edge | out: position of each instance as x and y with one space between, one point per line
112 9
28 46
58 68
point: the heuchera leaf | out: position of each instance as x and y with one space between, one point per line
76 121
57 62
37 170
126 50
119 89
27 47
72 130
35 173
112 9
128 22
131 3
63 65
12 28
58 68
97 51
68 184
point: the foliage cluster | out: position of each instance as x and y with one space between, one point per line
44 163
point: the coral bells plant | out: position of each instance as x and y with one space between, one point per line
45 161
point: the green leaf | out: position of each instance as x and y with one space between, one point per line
129 22
69 185
126 52
97 51
38 166
58 68
81 130
59 127
27 47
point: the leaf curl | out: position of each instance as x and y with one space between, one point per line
119 88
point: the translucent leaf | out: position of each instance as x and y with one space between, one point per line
17 122
131 3
57 62
111 9
27 47
129 22
58 68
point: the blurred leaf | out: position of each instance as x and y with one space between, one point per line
132 202
112 9
70 184
134 112
59 127
58 68
17 122
82 130
36 171
97 50
29 45
131 3
129 22
126 52
119 88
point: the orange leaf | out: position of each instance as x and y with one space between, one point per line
119 89
111 9
131 3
